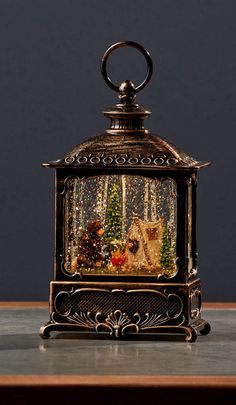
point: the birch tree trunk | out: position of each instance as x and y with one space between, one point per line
146 199
153 201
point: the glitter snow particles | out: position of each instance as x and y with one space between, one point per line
120 224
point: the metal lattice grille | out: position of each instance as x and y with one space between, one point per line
130 303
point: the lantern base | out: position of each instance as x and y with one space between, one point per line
144 311
186 333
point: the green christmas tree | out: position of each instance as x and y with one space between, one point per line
113 229
166 251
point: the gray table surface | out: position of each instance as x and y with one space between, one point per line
23 352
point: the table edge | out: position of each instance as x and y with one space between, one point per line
205 381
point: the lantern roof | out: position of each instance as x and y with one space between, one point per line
126 150
126 143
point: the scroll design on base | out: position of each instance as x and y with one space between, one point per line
195 303
118 323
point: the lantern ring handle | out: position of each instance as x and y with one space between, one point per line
121 45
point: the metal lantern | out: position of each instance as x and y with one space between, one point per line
125 231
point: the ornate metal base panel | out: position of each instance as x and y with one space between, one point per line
126 311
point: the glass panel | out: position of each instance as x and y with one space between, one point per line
190 227
120 224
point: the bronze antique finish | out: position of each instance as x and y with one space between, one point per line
125 231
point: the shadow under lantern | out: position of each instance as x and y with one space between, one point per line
125 229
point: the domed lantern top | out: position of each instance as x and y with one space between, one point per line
125 254
127 144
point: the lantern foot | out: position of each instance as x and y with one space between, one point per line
44 331
206 329
201 326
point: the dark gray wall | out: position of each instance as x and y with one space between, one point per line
52 95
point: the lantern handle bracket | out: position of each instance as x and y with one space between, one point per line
127 84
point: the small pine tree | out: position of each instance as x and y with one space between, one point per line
166 251
113 229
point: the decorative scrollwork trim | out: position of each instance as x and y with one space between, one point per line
93 160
